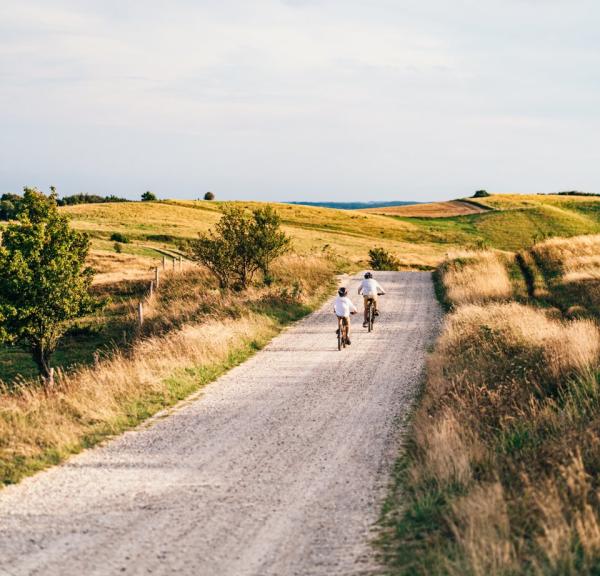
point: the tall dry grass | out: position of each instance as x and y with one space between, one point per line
572 270
570 259
475 277
193 332
502 472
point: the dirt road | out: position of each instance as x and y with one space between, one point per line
278 468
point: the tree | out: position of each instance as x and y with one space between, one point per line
481 194
381 259
44 282
148 196
9 206
269 240
241 244
209 196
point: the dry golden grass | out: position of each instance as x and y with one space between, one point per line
573 259
429 210
503 468
497 344
481 526
111 267
475 277
33 418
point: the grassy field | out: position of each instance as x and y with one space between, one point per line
156 230
430 209
501 474
513 222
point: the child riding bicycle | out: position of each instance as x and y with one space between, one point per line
343 308
369 289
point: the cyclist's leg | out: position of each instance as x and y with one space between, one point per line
366 314
375 308
347 321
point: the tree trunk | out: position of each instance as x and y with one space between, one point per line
41 357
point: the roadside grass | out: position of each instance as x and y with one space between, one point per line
501 474
194 332
475 277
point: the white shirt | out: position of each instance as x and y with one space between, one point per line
370 287
343 306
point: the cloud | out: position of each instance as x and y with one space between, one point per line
276 99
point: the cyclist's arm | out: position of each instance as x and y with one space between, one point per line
380 290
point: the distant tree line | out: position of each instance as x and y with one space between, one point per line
577 193
88 199
12 204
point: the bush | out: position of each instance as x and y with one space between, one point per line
381 259
119 237
242 244
209 196
118 247
481 194
149 196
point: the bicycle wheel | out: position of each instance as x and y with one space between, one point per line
370 316
340 336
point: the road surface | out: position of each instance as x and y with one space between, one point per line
277 468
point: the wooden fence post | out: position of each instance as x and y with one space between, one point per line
141 313
164 261
51 377
96 359
173 264
157 275
180 263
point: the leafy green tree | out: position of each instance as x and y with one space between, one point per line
44 282
481 194
268 239
209 196
241 244
149 196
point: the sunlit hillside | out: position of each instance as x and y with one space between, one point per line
419 236
154 227
513 222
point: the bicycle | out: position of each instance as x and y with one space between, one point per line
370 314
342 332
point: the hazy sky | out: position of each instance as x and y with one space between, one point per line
300 99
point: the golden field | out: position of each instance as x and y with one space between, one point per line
502 471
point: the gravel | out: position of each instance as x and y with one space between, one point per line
279 467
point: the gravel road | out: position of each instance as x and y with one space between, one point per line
277 468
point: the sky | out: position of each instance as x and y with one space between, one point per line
322 100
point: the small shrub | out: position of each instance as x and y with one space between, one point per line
118 247
381 259
119 237
481 194
149 196
209 196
